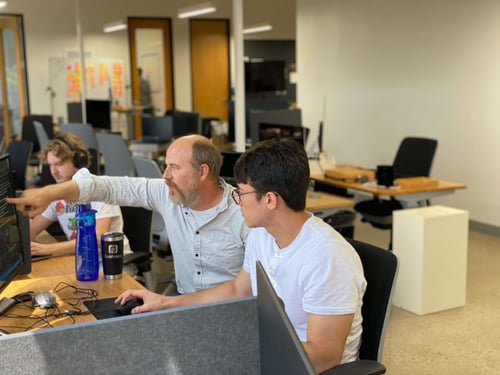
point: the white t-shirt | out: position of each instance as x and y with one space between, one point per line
319 272
64 213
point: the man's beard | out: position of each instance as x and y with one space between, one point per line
188 198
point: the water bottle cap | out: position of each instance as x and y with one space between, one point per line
81 208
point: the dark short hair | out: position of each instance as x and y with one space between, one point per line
205 152
277 165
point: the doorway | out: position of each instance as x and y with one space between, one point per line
13 88
150 41
210 67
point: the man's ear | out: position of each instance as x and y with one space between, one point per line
271 200
204 171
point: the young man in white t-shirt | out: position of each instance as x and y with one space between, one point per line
65 155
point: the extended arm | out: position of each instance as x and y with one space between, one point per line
34 201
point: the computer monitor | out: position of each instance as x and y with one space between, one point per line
252 105
281 351
11 250
268 131
186 123
158 129
98 113
320 136
277 116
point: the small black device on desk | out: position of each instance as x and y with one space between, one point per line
107 308
126 308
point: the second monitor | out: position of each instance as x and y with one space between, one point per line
282 117
185 122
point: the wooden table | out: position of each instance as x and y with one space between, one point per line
52 275
323 204
408 196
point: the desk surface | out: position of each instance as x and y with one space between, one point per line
46 275
321 201
441 186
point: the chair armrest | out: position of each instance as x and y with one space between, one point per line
361 367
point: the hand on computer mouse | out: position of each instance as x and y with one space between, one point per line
151 301
126 308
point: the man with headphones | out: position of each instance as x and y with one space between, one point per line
66 154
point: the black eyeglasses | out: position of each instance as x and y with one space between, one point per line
236 195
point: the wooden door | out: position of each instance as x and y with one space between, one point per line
210 74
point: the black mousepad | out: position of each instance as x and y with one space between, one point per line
103 308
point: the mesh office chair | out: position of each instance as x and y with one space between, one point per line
149 168
44 177
380 268
41 134
413 158
28 133
117 157
137 227
20 154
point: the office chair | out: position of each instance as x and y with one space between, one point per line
20 154
88 136
413 158
41 134
137 227
28 133
117 157
44 177
380 268
149 168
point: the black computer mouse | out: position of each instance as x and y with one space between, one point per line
44 300
127 307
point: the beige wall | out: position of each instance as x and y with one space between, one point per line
392 68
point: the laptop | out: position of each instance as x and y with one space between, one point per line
157 129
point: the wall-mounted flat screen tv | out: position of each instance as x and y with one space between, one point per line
265 76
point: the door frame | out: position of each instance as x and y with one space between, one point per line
15 22
165 24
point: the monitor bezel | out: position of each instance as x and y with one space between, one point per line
17 268
281 350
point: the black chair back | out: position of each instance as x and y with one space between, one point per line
380 270
414 157
20 154
29 133
137 227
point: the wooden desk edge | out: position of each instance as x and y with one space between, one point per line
442 186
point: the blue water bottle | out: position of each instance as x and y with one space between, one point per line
86 251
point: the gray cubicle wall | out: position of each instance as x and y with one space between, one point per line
220 338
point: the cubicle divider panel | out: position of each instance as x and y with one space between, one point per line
220 338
